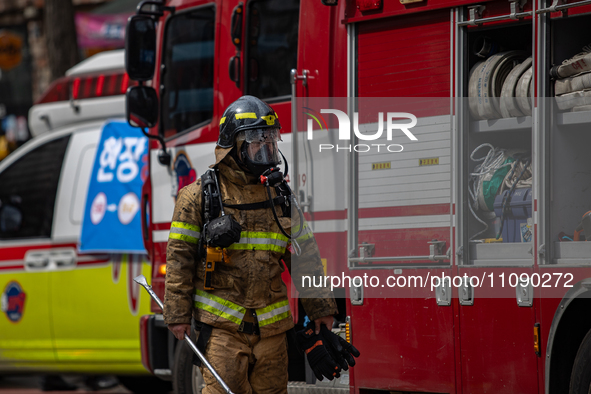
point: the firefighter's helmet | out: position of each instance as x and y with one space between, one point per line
246 113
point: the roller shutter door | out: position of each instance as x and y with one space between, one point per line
405 56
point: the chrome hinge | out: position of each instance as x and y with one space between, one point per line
475 13
304 77
366 249
524 291
542 250
466 292
516 7
555 4
460 251
436 248
305 201
443 292
356 293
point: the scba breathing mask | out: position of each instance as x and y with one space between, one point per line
261 156
259 150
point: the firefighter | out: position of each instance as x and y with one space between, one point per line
240 304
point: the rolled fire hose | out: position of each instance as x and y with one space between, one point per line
575 65
523 92
572 84
486 82
574 99
582 108
509 106
473 96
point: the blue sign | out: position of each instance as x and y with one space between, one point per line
112 217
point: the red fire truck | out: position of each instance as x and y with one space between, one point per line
491 196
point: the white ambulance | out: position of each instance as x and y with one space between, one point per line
62 311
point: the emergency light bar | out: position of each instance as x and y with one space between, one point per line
84 87
101 77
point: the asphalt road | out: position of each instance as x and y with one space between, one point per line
31 384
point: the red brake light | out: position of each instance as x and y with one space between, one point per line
84 87
87 87
99 85
124 83
112 85
58 91
75 88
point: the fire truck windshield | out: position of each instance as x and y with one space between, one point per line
271 47
188 70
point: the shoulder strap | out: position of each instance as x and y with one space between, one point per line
210 192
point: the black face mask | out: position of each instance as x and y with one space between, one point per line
254 168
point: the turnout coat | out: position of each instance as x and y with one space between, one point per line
250 281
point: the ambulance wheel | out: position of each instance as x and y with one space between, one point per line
145 384
580 380
186 377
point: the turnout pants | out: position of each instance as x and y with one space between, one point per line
247 363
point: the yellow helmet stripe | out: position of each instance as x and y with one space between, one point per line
223 120
246 115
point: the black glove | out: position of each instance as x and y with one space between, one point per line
339 349
318 357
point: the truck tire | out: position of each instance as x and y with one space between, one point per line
145 384
186 377
580 379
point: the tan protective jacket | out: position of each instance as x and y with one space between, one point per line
252 277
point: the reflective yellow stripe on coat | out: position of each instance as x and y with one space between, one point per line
218 306
184 232
235 313
273 313
305 234
258 240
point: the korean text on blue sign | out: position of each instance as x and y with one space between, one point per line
112 216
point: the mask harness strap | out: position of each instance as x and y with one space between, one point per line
286 165
273 177
219 191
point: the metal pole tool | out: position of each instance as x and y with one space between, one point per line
141 280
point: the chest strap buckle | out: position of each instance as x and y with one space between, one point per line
249 328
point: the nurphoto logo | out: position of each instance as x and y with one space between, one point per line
408 121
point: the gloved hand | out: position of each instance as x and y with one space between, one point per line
318 357
339 349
